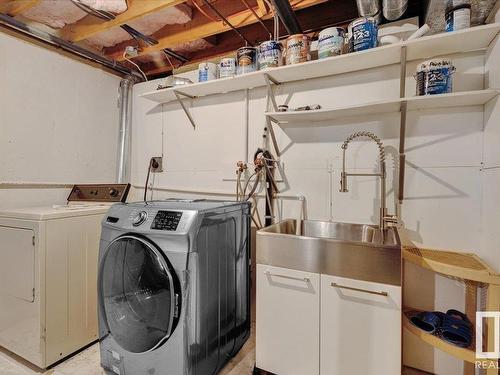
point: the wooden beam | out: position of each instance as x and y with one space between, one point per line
90 26
200 28
262 6
15 7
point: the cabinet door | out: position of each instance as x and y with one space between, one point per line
71 284
287 327
360 327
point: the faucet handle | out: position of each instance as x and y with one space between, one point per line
392 220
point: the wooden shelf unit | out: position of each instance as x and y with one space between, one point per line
465 354
475 273
463 266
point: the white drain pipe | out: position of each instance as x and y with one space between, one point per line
125 129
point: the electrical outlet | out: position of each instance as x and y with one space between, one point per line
159 162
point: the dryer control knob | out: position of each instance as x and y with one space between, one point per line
139 218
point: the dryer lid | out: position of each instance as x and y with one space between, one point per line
139 294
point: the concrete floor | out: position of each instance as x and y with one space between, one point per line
87 363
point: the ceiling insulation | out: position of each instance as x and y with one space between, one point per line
147 25
192 46
185 48
60 13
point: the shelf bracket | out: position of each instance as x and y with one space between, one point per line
402 128
178 95
270 91
273 136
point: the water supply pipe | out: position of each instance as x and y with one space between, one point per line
368 7
125 129
287 16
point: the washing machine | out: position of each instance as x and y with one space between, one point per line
48 273
174 286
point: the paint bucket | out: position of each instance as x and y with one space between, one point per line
435 77
270 55
362 34
297 49
247 60
227 67
331 42
207 71
458 15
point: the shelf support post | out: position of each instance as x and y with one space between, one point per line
178 95
270 92
402 128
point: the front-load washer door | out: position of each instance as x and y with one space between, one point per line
139 294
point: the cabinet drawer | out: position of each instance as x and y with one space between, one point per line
360 327
287 327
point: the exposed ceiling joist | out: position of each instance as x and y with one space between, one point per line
262 6
338 13
90 26
15 7
200 28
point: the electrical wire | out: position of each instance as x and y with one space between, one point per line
152 164
204 13
224 19
245 2
133 63
147 180
168 59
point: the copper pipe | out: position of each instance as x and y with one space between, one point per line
258 18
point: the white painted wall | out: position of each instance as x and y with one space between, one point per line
491 170
443 206
58 123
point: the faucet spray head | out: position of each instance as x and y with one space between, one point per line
343 183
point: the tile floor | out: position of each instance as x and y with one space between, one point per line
87 363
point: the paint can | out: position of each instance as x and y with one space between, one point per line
227 67
270 54
331 42
207 71
458 15
247 60
297 49
435 77
362 34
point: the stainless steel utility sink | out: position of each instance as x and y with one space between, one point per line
355 251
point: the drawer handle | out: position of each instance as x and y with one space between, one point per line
304 279
335 285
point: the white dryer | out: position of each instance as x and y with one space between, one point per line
48 274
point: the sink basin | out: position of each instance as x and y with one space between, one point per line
356 251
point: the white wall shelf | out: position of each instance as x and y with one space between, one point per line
308 118
475 38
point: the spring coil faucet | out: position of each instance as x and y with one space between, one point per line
383 218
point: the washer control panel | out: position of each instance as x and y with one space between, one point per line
166 220
99 193
139 218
